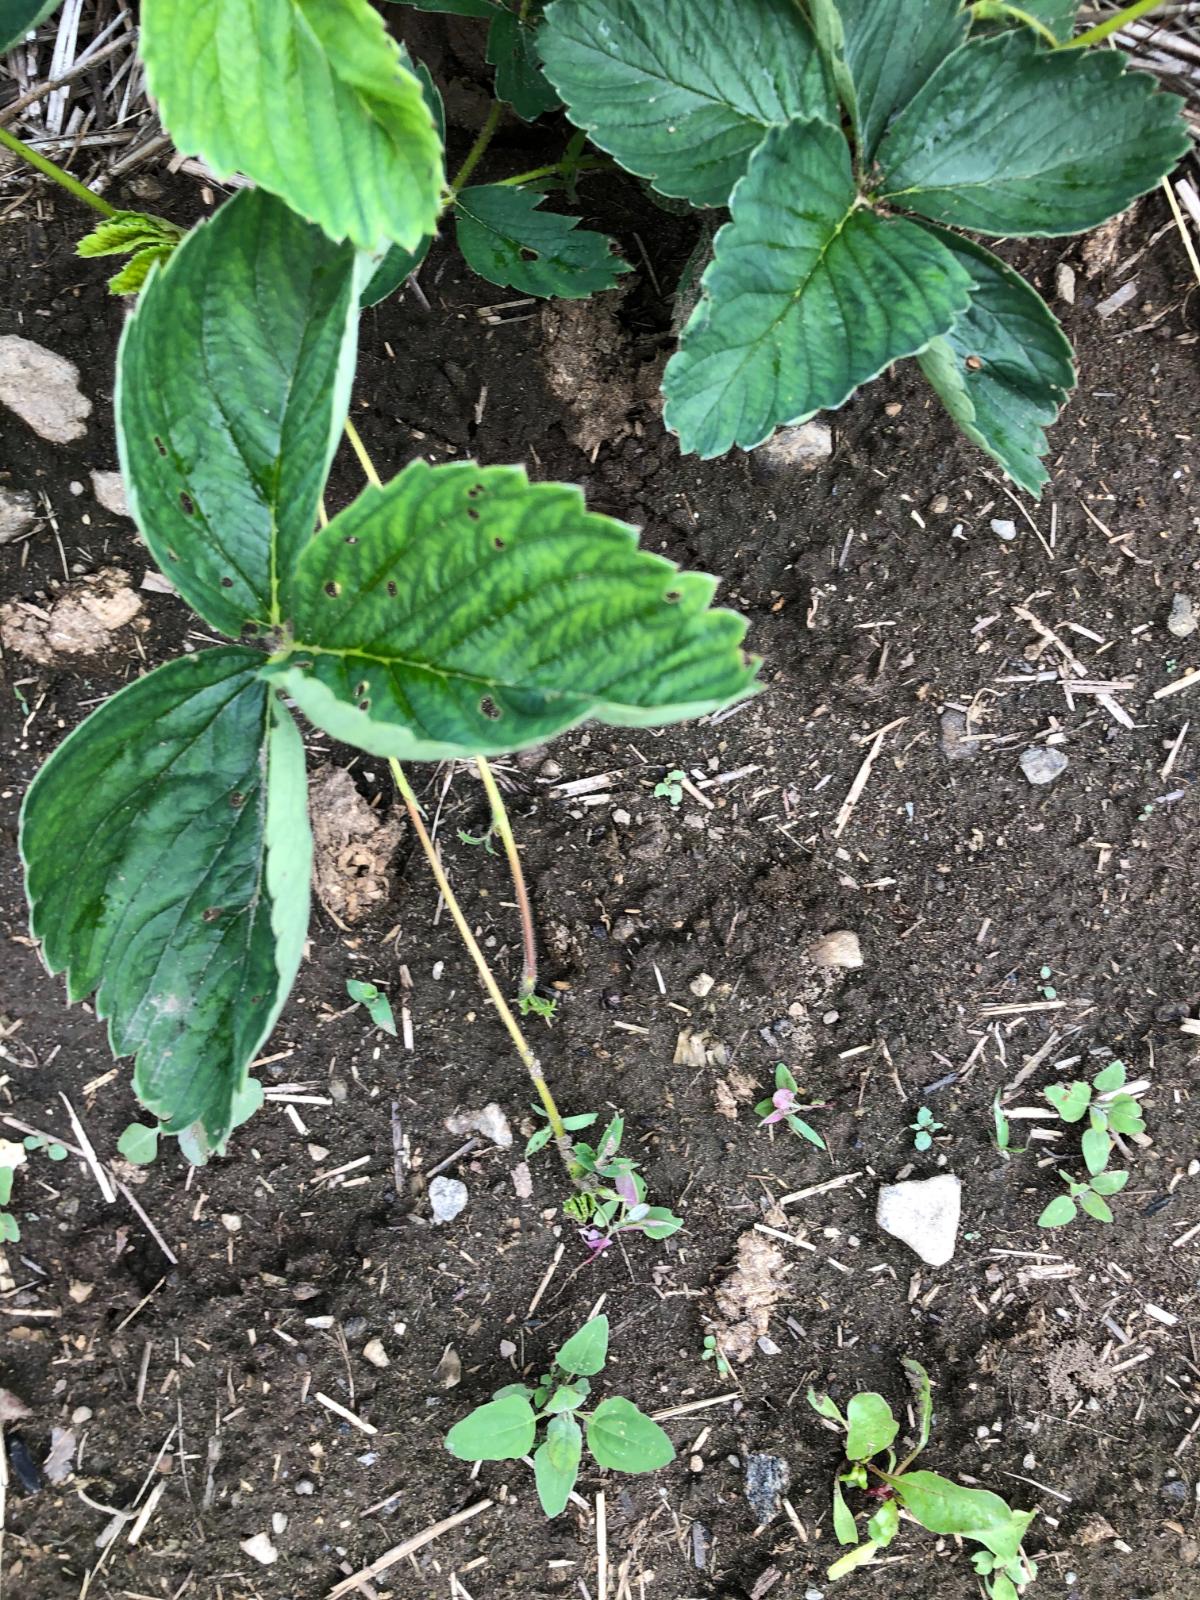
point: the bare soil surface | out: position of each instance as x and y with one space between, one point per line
884 606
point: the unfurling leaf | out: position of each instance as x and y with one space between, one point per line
556 1463
585 1352
501 1430
871 1426
148 241
462 610
808 295
506 239
946 1507
378 1006
624 1438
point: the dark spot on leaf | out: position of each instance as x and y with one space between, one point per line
227 583
489 708
333 589
473 514
974 363
391 589
529 255
213 914
361 689
364 705
159 446
475 490
171 554
499 543
237 799
672 596
188 504
256 999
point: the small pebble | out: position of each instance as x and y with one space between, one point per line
955 745
259 1548
1042 765
1064 282
279 1522
1183 622
702 984
840 949
447 1198
374 1352
939 505
304 1486
81 1414
696 1464
231 1222
1174 1492
1003 528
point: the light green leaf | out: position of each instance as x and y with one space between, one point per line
862 1555
1010 138
567 1397
885 1524
507 240
19 17
659 1223
148 240
1125 1115
808 295
824 1406
1109 1182
889 50
844 1526
10 1228
946 1507
1113 1077
1095 1206
378 1006
679 94
556 1464
586 1351
139 1144
1070 1100
311 99
1056 16
233 381
399 264
463 610
501 1430
625 1439
520 81
180 804
922 1390
1096 1148
805 1131
1058 1213
6 1183
1005 368
871 1426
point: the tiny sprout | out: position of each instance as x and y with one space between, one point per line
784 1106
537 1005
924 1128
378 1006
1003 1126
712 1352
54 1150
671 787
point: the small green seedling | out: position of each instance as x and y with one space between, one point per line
139 1144
618 1434
939 1504
784 1106
12 1156
37 1141
379 1007
1047 990
616 1202
1090 1197
1003 1136
671 787
924 1128
484 839
712 1352
1109 1108
538 1005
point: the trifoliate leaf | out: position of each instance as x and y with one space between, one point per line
462 609
682 94
808 295
506 239
180 805
520 81
1005 368
1008 137
233 381
501 1430
311 99
556 1464
19 17
624 1438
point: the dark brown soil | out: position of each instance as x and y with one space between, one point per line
872 610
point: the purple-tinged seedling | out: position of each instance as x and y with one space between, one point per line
784 1106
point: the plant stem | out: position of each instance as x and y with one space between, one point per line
529 965
553 1115
566 166
476 152
360 450
48 169
1111 25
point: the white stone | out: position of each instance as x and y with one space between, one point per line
490 1122
260 1548
447 1197
923 1213
375 1353
804 447
702 984
1042 765
18 513
1003 528
1182 622
109 489
840 949
43 389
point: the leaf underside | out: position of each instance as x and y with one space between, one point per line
506 239
1005 369
180 806
679 93
808 295
1010 138
311 99
19 17
462 610
233 380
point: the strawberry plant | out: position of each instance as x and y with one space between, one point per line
851 141
453 612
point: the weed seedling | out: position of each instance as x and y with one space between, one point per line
1091 1197
139 1144
619 1436
671 787
712 1352
378 1006
939 1504
1108 1106
784 1106
612 1199
1003 1131
924 1128
12 1156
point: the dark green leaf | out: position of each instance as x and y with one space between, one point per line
1058 1213
1095 1206
1096 1148
501 1430
1070 1100
889 50
871 1426
885 1524
311 99
808 295
556 1464
844 1526
624 1438
19 17
1008 137
922 1390
457 8
679 94
180 804
1113 1077
399 264
139 1144
946 1507
1109 1182
463 610
520 81
1005 368
233 381
507 240
585 1352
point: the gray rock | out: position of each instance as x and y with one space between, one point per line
955 745
447 1197
803 448
923 1213
1174 1492
1183 622
43 389
109 489
767 1480
1042 764
1003 528
18 513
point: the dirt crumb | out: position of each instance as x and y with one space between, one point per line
352 846
1073 1371
749 1294
80 621
588 369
